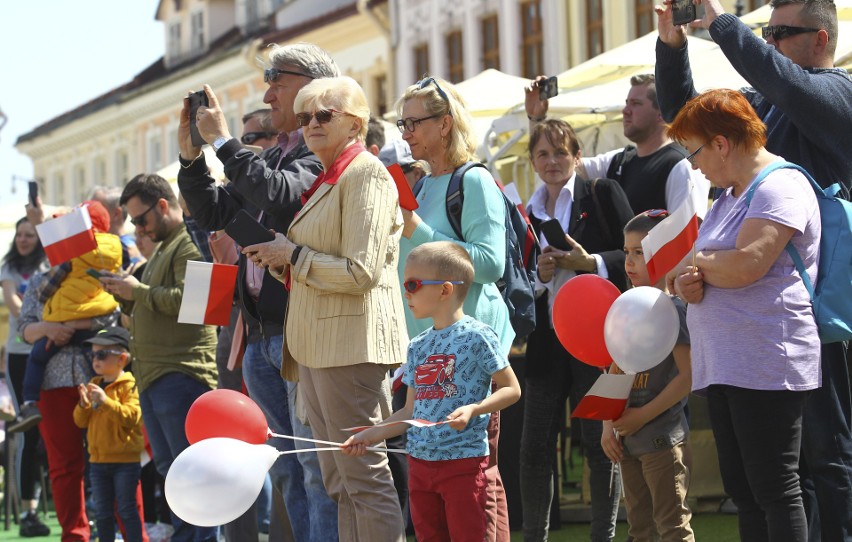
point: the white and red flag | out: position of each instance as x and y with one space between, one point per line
671 240
208 292
67 236
607 399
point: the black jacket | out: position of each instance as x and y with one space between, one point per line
255 184
586 227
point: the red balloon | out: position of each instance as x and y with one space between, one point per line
579 312
226 413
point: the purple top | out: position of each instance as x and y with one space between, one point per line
762 336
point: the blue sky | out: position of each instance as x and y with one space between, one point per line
56 55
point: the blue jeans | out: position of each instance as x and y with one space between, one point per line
544 397
313 515
826 461
114 486
164 406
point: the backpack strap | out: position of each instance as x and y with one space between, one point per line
789 248
455 196
600 214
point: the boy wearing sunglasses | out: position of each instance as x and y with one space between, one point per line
109 408
449 374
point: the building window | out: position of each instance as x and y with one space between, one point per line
644 17
59 189
80 183
380 91
99 171
155 153
121 168
252 14
594 28
455 56
421 61
197 26
532 40
174 40
490 43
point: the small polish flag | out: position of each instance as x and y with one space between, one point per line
416 422
208 292
607 399
67 236
671 240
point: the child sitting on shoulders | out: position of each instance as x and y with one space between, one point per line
649 438
109 408
449 373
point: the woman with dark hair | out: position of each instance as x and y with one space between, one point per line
592 214
756 381
24 258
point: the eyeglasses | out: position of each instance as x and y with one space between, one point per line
780 31
250 137
323 116
691 157
656 213
412 285
101 355
423 83
140 221
411 123
271 74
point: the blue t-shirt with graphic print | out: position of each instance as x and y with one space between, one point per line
447 369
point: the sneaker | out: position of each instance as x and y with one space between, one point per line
28 418
32 526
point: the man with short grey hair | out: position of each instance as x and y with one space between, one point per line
268 186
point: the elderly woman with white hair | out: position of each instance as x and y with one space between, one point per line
345 323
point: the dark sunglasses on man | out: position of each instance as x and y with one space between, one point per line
250 137
780 31
271 74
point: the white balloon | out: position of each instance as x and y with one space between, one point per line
641 329
216 480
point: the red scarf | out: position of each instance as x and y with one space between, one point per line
333 174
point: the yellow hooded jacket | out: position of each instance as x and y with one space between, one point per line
115 427
81 295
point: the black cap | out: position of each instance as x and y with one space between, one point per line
111 335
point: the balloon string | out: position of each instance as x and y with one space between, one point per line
309 450
337 444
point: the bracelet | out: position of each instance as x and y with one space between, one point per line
295 255
181 160
537 119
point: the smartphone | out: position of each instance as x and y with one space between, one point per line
548 88
683 12
33 189
196 100
247 231
94 273
555 235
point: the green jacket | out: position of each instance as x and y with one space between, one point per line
159 344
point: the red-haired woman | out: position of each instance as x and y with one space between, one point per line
755 348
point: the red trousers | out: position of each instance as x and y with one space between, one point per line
63 441
448 499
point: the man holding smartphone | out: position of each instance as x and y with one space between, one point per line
653 172
806 105
269 187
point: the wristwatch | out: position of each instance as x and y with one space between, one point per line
218 142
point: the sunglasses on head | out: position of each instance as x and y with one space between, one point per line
412 285
423 83
104 354
323 116
780 31
140 221
250 137
656 213
271 74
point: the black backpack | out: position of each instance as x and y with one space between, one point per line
522 250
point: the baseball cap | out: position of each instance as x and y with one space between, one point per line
396 151
111 335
